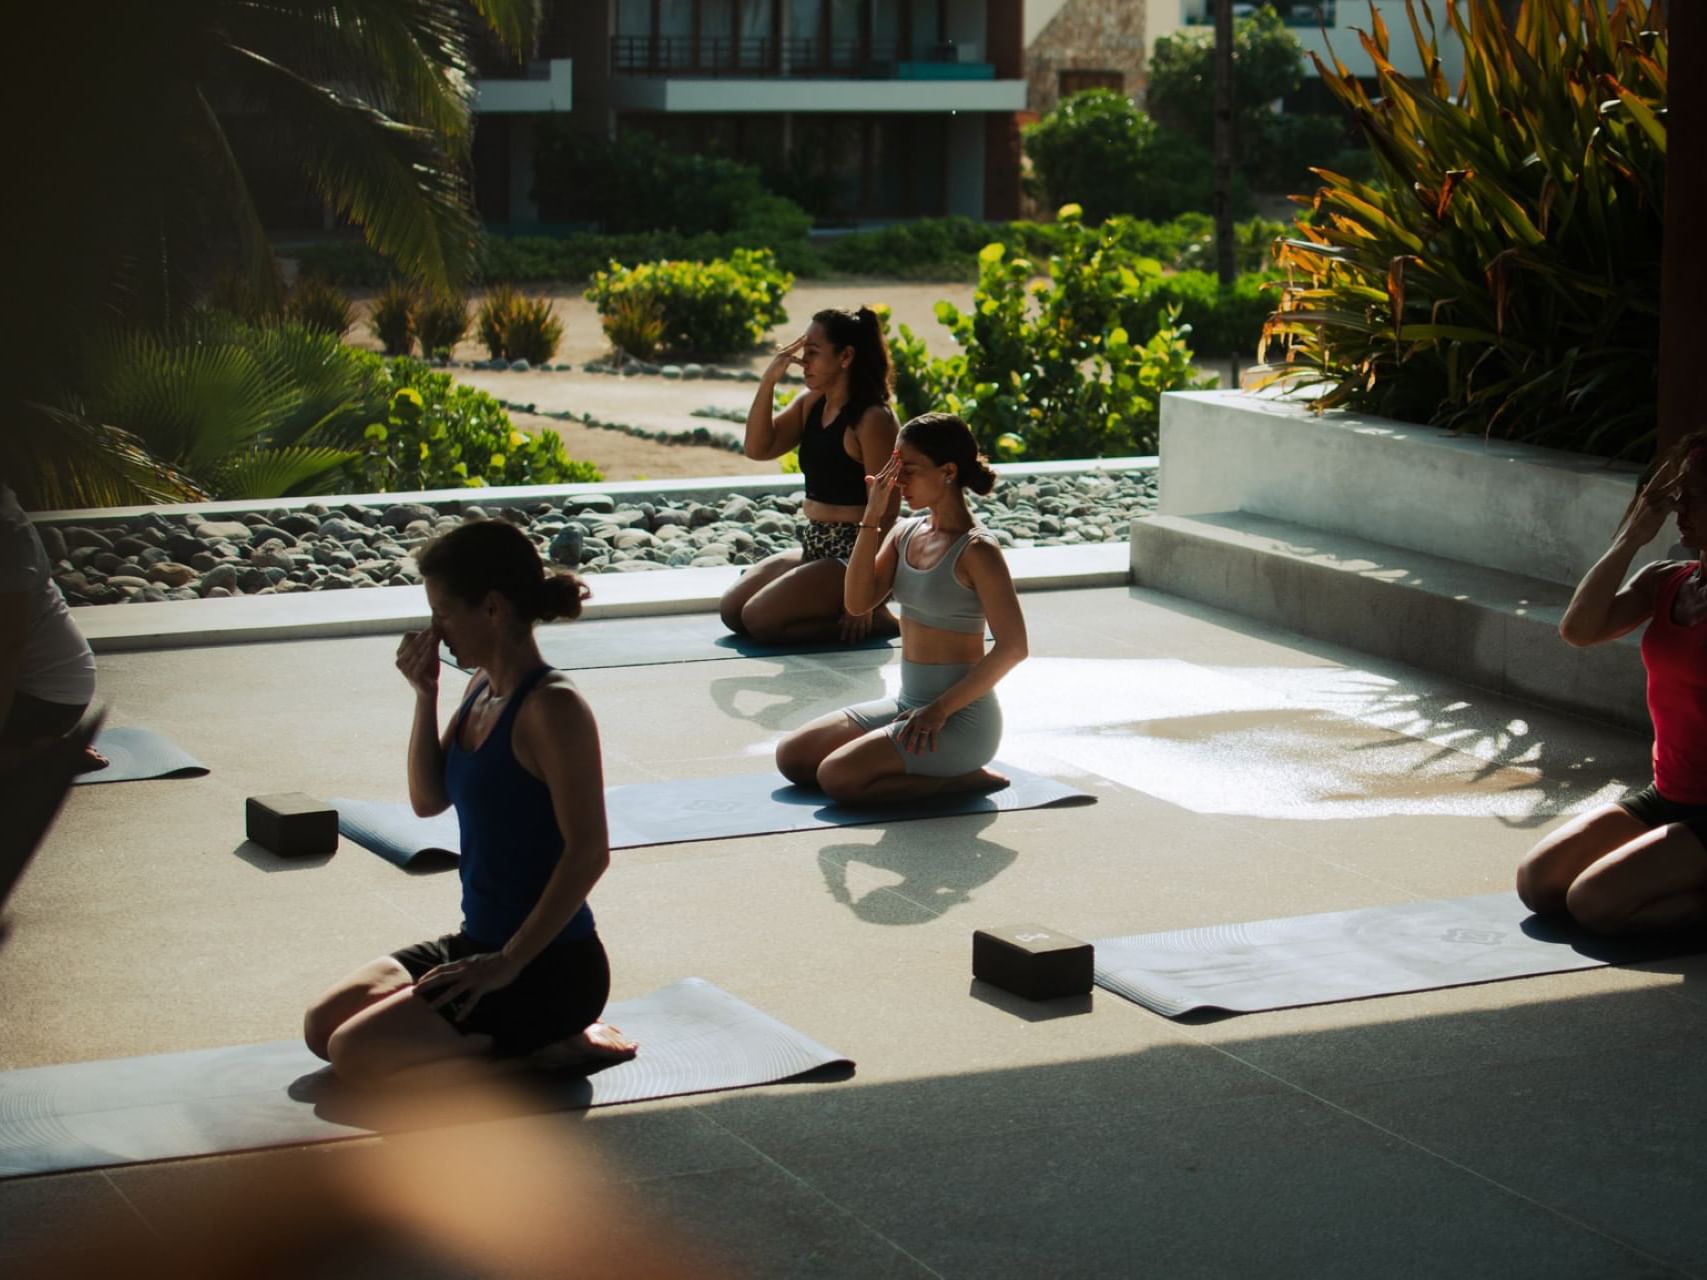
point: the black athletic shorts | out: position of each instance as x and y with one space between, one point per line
561 992
32 718
1652 809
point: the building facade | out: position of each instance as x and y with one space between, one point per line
872 109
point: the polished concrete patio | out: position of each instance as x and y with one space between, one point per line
1552 1126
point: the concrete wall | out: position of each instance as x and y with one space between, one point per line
1087 35
1167 16
552 92
1537 512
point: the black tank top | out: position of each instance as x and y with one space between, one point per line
832 477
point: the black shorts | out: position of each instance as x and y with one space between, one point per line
1652 809
561 992
32 718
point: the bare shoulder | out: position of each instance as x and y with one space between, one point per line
879 417
982 558
556 710
1651 576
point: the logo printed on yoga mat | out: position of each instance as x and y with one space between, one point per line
1476 937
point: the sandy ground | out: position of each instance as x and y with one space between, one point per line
657 404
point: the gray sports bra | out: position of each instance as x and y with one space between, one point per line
934 596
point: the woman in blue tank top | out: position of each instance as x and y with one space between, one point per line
526 972
950 582
844 430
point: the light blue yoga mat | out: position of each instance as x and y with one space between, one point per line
748 804
693 1038
1350 955
140 753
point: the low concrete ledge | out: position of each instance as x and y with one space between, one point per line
662 492
1537 512
179 624
1486 627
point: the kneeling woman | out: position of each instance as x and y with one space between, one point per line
1641 865
949 580
520 762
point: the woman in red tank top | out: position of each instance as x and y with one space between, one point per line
1641 865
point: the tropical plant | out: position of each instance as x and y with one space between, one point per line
433 433
516 327
244 411
441 323
316 305
708 308
392 318
140 193
1057 367
635 324
1501 274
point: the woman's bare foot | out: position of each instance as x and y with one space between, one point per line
92 760
985 780
884 623
600 1042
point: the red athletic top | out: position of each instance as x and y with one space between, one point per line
1676 659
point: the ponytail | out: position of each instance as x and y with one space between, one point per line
870 375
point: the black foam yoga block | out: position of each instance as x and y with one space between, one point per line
1032 961
291 824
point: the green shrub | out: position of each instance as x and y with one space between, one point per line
348 264
635 324
490 318
441 323
1501 275
392 318
1051 369
532 331
708 308
434 433
516 327
316 305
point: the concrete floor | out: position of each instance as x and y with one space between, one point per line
1552 1126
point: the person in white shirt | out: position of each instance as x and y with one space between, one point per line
47 671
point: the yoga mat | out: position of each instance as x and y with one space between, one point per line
693 1037
1349 955
749 804
141 753
640 642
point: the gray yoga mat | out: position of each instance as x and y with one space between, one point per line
1350 955
680 810
693 1037
640 642
140 753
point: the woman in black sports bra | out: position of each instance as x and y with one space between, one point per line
845 431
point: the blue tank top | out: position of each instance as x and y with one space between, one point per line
510 840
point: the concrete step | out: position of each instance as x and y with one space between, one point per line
1487 627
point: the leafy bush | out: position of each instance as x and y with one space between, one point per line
246 411
1097 150
345 263
434 433
1050 369
316 305
635 324
708 308
441 322
1222 321
392 318
1501 275
516 327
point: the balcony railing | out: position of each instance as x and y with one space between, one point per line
761 56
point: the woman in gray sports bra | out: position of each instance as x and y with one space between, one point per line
950 582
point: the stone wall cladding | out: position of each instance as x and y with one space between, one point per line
1087 35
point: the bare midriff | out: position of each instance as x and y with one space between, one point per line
828 513
933 646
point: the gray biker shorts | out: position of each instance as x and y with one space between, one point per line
968 740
